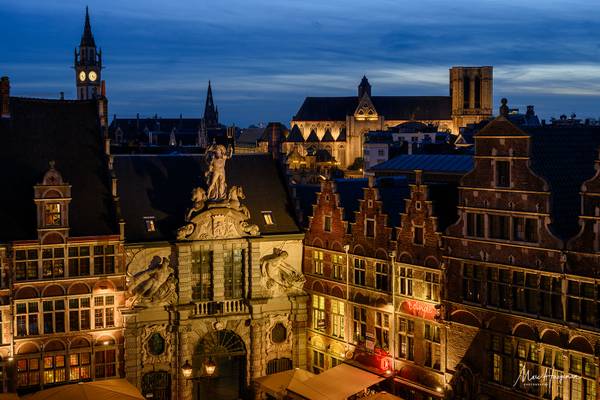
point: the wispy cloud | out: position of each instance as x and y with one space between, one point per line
265 56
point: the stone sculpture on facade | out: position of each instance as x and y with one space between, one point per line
155 284
217 213
216 156
278 276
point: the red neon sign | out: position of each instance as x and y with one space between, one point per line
419 309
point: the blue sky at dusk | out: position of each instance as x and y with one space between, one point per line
264 56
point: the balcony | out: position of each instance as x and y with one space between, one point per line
225 307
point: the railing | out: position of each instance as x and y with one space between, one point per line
237 306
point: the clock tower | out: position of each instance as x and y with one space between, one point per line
88 64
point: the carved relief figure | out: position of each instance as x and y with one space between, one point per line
235 194
277 275
199 199
154 284
216 155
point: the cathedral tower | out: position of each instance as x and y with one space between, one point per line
211 113
88 64
471 93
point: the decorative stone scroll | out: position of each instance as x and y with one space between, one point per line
154 285
278 276
217 213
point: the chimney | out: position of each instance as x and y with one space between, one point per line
4 97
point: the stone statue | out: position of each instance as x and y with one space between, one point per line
216 156
235 194
199 199
154 284
278 276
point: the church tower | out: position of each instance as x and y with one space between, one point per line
88 64
211 113
471 94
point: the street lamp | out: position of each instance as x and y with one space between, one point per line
210 366
186 370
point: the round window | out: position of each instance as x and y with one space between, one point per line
156 344
278 333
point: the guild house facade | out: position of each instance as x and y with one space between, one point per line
219 284
339 124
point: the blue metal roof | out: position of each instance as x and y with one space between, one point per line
453 163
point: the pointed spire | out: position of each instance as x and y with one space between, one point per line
211 116
87 39
364 87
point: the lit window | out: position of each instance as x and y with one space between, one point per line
150 224
268 216
52 213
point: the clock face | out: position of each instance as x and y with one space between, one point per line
82 76
92 76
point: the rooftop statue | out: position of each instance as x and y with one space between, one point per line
215 157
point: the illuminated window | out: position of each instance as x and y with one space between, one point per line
337 318
382 330
432 346
53 263
150 223
318 362
337 261
268 217
54 369
79 366
104 312
318 262
233 265
52 214
202 273
360 324
318 312
406 339
28 372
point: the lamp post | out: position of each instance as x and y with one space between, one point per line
394 333
186 370
210 367
347 331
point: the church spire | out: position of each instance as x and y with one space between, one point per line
211 116
364 87
87 38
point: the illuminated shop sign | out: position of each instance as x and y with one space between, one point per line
418 309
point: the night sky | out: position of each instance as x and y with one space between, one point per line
264 56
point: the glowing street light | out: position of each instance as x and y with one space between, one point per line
186 370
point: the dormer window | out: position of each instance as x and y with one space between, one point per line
503 173
150 223
52 214
268 217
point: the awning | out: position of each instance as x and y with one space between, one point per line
337 383
278 383
110 389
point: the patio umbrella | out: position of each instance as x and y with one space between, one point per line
9 396
111 389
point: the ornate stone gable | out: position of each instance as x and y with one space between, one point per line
217 213
366 109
